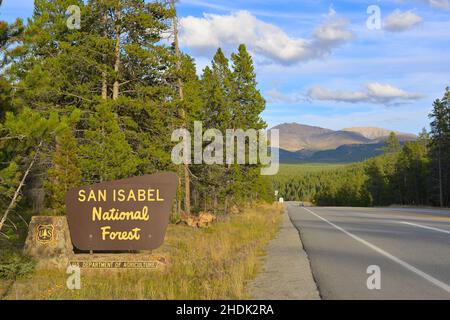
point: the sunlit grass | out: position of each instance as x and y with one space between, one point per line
214 263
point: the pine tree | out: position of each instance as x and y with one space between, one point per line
192 85
10 36
214 115
440 148
424 138
392 144
248 104
216 92
248 101
65 172
232 101
10 41
105 154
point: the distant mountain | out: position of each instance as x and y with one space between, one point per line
303 143
374 133
294 137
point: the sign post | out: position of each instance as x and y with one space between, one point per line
49 240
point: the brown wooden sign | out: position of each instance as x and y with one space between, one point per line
129 214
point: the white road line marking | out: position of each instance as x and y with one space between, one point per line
404 264
425 227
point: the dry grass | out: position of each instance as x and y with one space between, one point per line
213 263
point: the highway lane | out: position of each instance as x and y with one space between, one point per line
410 246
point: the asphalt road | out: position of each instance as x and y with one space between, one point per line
411 247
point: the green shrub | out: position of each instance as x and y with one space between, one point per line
14 265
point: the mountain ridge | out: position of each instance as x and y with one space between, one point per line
296 137
376 133
304 143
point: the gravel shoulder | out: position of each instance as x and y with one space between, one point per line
286 272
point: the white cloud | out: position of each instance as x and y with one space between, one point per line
204 35
276 96
440 4
401 21
334 30
374 93
386 92
321 93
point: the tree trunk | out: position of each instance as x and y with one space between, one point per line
179 197
187 183
195 198
117 55
215 201
104 75
19 188
104 86
205 207
225 209
187 190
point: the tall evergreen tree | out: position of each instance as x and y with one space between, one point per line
248 104
217 89
440 148
392 144
247 100
64 172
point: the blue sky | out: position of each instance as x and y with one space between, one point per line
318 63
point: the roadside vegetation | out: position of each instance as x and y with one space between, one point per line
211 263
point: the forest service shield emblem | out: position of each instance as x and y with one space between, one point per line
45 233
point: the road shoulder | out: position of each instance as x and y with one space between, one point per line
286 272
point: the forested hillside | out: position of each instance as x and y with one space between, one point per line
417 173
343 154
99 103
